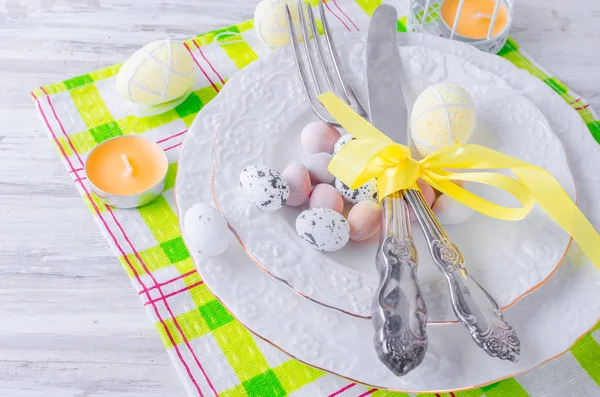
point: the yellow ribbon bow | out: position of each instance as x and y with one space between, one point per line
374 155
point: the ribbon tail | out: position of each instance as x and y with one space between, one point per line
442 181
554 200
356 126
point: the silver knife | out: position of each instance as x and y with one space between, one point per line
399 311
474 307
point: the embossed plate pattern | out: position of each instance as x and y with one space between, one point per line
548 321
508 258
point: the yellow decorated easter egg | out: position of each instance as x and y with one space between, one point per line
443 115
156 73
270 21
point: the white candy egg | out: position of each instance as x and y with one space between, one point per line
206 230
298 179
368 191
156 73
364 220
319 137
324 229
344 139
317 164
449 211
264 187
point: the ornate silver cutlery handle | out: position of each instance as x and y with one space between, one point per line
399 311
474 307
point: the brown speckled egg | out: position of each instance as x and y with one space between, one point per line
326 196
428 194
364 219
341 142
296 175
317 168
368 191
319 137
324 229
264 187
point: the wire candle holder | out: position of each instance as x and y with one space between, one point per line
484 24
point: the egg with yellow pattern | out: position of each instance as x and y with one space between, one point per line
443 115
157 73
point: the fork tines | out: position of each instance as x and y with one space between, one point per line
324 72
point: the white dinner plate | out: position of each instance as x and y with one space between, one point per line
508 258
548 321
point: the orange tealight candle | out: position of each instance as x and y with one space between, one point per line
475 17
127 171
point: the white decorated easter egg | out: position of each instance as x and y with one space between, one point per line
319 137
368 191
324 229
450 212
443 115
317 168
264 187
156 73
326 196
206 230
364 220
344 139
298 179
270 21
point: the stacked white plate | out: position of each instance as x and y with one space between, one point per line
315 306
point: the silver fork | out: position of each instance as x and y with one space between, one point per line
474 307
399 312
337 84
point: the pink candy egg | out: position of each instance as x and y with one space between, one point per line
317 168
326 196
319 137
298 180
364 219
428 194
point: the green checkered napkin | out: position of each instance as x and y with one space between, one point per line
213 353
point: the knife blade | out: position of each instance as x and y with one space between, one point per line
474 307
399 311
387 109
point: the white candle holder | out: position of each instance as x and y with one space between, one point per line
426 17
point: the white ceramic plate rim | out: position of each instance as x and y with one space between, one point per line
571 280
325 280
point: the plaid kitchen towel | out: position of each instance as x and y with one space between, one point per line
213 353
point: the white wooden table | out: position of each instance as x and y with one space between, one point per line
70 323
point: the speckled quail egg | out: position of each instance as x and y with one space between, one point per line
368 191
324 229
344 139
205 230
264 187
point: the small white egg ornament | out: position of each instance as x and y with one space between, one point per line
270 21
264 187
449 211
368 191
324 229
157 73
206 230
443 115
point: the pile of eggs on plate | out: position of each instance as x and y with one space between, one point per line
310 184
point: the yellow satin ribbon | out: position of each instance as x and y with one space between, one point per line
374 155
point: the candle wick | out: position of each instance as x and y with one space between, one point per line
128 168
481 15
